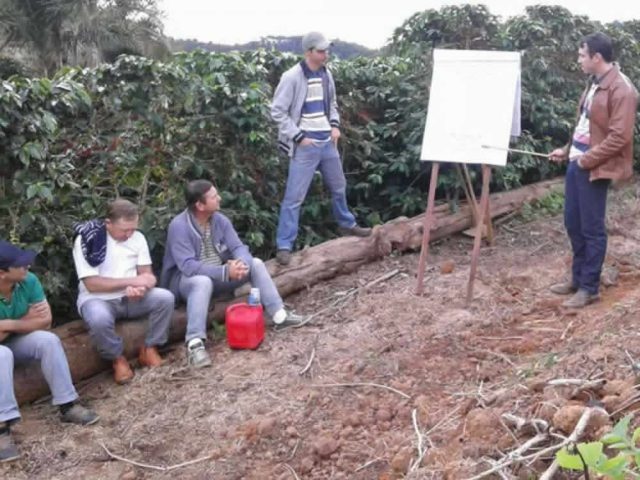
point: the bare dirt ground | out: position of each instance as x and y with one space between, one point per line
302 406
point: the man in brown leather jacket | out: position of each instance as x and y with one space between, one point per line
600 151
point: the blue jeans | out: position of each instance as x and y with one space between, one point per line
41 346
585 206
100 317
196 291
306 160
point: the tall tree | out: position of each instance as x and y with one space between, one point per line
79 32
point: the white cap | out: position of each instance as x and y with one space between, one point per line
315 40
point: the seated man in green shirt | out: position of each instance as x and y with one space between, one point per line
24 317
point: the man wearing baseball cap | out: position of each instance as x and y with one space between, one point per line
24 317
304 107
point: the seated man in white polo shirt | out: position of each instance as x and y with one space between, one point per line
116 281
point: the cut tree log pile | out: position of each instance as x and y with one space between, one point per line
308 267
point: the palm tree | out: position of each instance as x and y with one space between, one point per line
78 32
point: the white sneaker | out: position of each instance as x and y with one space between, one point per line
290 319
197 355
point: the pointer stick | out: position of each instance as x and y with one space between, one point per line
517 151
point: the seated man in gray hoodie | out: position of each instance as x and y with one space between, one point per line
203 255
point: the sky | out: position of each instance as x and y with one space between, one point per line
367 23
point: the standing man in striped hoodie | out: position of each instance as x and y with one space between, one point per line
304 107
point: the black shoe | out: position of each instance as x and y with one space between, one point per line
8 450
80 415
283 257
355 231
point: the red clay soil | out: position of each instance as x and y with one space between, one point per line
334 399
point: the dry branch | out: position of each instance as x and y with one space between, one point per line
516 455
308 366
361 384
154 467
537 424
420 443
291 471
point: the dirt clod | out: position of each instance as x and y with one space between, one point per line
325 446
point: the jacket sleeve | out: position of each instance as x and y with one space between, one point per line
186 257
237 249
282 100
334 116
620 133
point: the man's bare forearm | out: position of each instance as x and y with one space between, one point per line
38 317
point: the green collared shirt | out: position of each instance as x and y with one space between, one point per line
25 294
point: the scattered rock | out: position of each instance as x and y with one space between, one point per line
128 474
611 403
346 432
383 415
422 406
610 276
401 460
617 387
266 426
559 392
548 408
536 384
325 446
484 427
402 386
447 267
567 417
628 397
598 354
353 420
306 465
384 426
456 319
248 429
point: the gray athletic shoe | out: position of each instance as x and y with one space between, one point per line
564 288
197 355
355 231
283 257
291 320
80 415
8 450
581 299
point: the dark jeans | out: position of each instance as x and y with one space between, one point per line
585 206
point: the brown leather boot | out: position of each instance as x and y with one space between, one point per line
149 357
122 372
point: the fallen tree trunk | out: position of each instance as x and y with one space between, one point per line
308 267
343 255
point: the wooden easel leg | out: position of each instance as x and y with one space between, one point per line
484 209
427 225
471 196
468 192
491 238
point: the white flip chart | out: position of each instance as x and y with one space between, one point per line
474 102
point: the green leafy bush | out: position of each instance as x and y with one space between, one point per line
592 457
141 129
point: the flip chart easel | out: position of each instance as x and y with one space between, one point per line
474 102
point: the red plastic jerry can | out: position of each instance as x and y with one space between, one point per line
245 326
